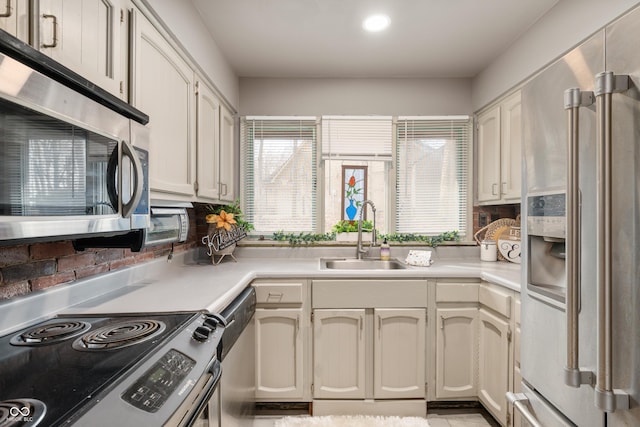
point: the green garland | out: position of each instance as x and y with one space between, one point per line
296 239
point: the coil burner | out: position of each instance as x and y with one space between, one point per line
50 333
119 335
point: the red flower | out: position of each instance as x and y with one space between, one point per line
352 181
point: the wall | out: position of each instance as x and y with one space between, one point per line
27 268
557 32
186 24
317 96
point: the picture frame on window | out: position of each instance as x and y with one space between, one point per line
354 185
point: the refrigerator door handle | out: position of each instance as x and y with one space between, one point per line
574 99
520 402
606 398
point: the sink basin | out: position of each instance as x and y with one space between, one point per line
361 264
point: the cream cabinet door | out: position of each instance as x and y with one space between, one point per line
511 148
14 18
493 378
164 89
227 156
208 142
399 353
339 354
279 353
84 35
488 153
456 352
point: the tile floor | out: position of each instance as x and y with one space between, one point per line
446 418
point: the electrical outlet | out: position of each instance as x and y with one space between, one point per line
482 219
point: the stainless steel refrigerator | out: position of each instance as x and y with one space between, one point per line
580 344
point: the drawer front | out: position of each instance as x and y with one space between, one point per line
457 292
369 293
499 301
279 293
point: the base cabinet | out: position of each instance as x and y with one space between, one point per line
339 354
493 364
282 341
456 352
279 354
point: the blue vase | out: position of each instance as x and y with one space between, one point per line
351 210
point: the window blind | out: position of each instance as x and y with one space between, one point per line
357 137
279 173
432 162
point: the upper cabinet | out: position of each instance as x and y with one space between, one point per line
14 19
215 136
163 86
84 35
499 136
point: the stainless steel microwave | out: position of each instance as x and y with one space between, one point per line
69 166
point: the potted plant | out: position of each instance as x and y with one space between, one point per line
226 228
347 231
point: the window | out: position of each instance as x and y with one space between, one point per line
432 162
415 170
361 147
279 173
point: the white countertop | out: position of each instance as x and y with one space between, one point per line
187 285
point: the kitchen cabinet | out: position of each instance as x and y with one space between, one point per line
339 354
14 18
495 353
282 340
369 341
456 331
227 156
499 142
84 35
517 376
163 87
215 142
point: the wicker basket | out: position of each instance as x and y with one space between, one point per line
493 230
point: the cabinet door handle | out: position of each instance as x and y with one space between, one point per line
8 12
503 188
361 321
297 324
379 325
493 189
54 42
224 189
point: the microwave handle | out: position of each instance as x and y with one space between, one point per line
129 151
112 170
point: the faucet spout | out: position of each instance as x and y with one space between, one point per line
360 250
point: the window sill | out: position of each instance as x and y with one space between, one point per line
266 243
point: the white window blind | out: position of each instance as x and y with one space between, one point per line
357 137
279 173
432 162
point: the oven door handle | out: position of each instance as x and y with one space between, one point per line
215 371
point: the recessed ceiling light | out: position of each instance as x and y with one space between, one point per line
375 23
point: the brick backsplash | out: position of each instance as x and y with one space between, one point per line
484 215
32 267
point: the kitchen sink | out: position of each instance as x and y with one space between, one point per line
361 264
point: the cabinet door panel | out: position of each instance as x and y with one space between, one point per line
208 141
511 156
83 35
399 353
15 18
493 379
489 155
456 352
164 90
339 354
279 349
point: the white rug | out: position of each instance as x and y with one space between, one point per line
351 421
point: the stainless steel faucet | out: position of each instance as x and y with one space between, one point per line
360 251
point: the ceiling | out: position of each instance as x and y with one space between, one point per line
324 38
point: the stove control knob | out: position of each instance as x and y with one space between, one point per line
211 322
201 333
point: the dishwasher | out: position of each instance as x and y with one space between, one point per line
236 352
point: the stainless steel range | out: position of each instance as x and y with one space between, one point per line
147 369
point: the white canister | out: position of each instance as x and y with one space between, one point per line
488 250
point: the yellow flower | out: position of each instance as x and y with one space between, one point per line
222 220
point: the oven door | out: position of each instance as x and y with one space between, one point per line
199 409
